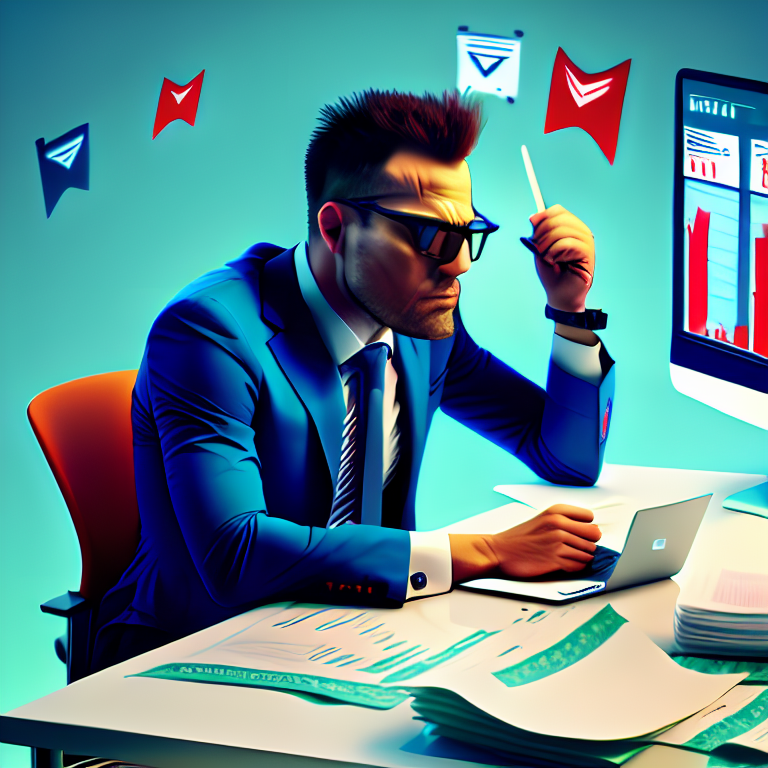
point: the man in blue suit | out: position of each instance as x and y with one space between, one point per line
242 413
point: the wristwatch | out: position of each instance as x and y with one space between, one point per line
591 319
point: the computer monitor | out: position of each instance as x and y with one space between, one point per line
719 351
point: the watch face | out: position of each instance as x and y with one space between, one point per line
596 319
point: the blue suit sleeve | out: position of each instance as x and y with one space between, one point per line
201 386
559 433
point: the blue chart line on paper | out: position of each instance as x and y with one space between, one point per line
388 646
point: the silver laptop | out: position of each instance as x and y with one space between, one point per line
656 547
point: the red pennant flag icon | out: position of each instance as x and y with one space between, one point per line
590 102
177 102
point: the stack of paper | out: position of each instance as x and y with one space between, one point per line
737 719
725 613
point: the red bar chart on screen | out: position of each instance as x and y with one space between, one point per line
761 295
698 243
741 336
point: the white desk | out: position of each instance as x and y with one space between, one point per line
168 724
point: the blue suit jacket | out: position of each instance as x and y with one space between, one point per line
237 419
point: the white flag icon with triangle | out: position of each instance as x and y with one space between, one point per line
489 64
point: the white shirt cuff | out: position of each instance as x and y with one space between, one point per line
577 359
430 571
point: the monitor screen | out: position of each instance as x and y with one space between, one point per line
720 304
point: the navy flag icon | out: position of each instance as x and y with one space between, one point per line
64 163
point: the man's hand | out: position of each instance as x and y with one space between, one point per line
565 258
560 538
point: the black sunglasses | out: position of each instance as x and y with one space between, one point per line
433 238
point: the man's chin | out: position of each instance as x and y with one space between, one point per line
433 327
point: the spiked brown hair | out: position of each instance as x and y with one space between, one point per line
360 133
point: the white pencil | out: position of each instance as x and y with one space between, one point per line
532 180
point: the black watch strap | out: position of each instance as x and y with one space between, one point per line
591 319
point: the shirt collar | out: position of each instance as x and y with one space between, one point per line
340 340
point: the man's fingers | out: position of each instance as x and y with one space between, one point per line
578 268
587 531
570 262
575 513
568 249
544 243
576 543
555 214
576 264
553 210
547 226
544 215
571 566
544 236
575 521
567 252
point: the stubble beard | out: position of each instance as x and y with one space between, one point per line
415 319
431 325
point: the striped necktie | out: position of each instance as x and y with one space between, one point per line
359 487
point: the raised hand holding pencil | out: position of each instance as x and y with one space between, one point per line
564 248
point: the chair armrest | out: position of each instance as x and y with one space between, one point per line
66 605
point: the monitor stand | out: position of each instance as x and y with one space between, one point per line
753 501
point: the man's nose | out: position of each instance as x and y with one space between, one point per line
459 265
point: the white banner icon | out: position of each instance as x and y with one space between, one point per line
489 64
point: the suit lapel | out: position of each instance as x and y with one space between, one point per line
307 364
302 356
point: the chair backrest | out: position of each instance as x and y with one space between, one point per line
84 429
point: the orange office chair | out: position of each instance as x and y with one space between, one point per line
84 429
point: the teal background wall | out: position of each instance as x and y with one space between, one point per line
80 290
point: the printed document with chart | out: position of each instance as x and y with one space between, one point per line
526 669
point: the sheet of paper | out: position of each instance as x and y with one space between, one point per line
738 717
458 720
758 670
559 690
529 671
481 733
378 646
645 487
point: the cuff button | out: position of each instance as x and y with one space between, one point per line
419 580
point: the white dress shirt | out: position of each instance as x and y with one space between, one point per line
430 550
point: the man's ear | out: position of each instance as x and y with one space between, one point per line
330 220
